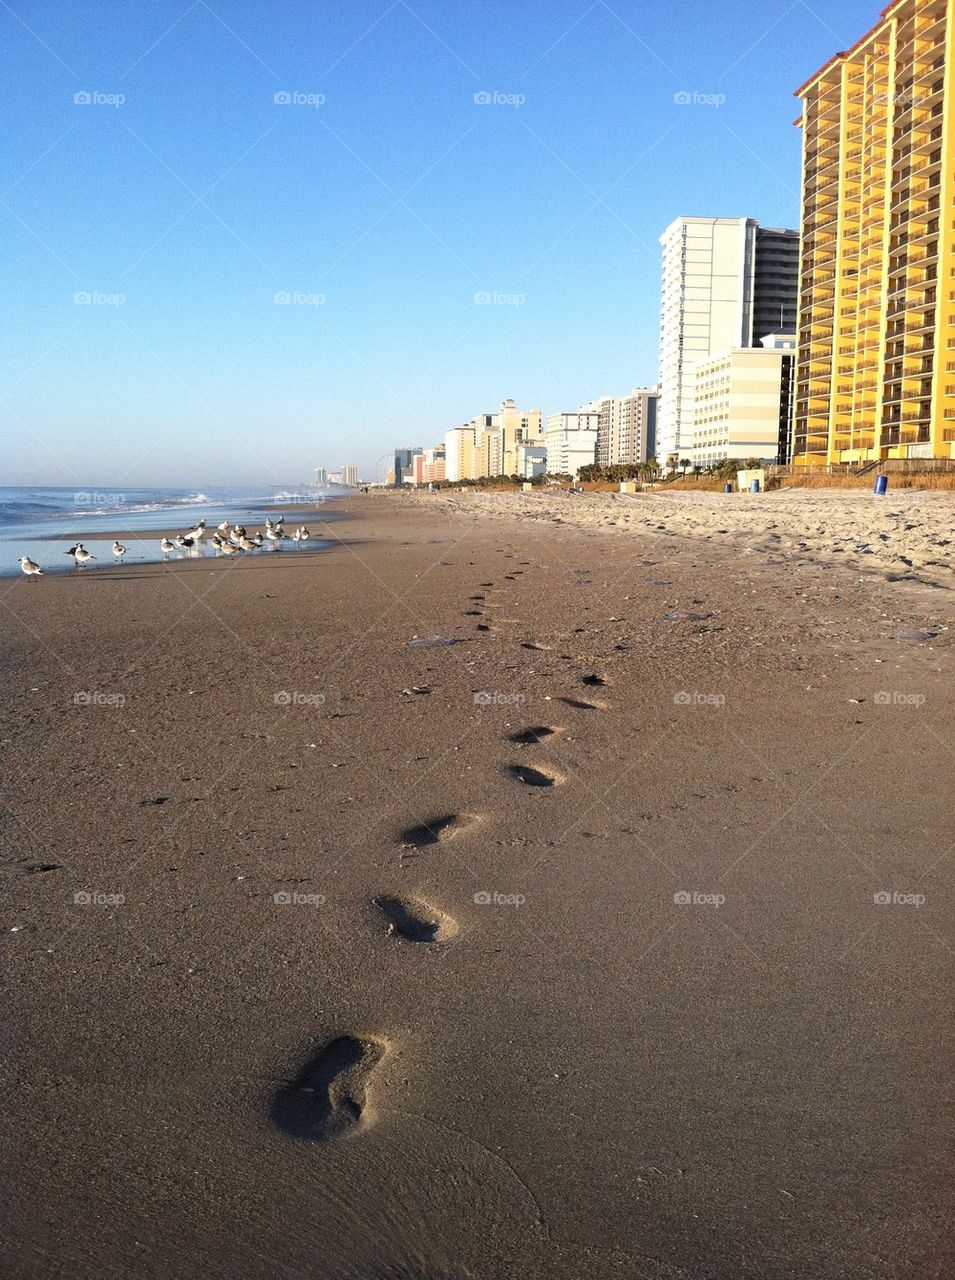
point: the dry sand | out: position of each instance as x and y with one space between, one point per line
480 1033
906 532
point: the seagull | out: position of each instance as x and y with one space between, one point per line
73 550
297 536
198 531
304 534
274 534
246 544
223 528
81 556
184 541
30 567
216 543
257 538
229 550
167 547
119 550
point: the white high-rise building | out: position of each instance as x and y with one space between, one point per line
726 282
626 426
706 306
571 440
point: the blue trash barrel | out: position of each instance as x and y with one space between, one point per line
754 486
881 484
727 488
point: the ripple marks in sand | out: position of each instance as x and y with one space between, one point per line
416 920
329 1097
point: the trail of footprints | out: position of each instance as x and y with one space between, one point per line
329 1098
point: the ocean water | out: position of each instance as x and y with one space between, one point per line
44 523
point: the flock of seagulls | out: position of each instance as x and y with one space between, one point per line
227 540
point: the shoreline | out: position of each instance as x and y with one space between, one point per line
587 898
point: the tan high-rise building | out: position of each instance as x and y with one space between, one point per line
876 366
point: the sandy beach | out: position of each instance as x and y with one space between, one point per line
516 888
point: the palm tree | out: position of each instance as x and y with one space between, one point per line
684 463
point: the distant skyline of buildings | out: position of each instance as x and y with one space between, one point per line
833 344
347 475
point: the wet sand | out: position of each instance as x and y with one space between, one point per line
561 950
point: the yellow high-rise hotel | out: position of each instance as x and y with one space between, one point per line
876 368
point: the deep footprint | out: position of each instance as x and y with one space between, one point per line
533 777
436 830
416 920
595 682
529 737
581 705
328 1099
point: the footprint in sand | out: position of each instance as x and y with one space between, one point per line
534 777
415 920
594 681
581 704
329 1097
436 830
532 736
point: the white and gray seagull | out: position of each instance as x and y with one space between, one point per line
30 567
119 551
166 547
80 555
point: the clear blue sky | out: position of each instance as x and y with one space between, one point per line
396 200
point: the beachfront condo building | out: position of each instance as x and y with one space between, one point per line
404 462
626 426
321 477
876 370
459 453
350 475
724 279
429 467
571 441
742 403
489 444
531 461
